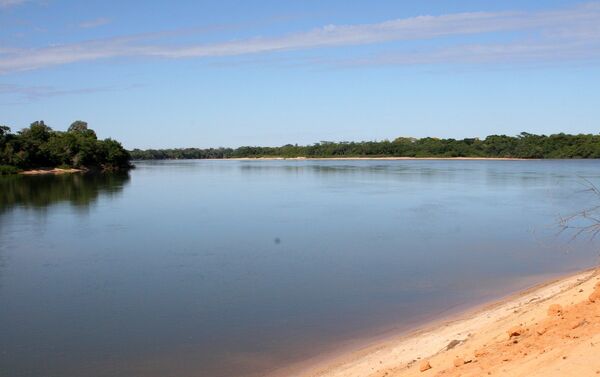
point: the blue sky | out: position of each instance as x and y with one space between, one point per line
230 73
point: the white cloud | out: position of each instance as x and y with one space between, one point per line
101 21
11 3
26 94
560 33
542 51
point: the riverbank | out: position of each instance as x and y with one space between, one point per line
550 330
372 158
52 171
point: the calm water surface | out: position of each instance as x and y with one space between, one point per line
232 268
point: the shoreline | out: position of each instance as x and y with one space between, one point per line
360 158
375 158
54 171
479 339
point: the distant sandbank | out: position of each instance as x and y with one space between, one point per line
552 329
52 171
377 158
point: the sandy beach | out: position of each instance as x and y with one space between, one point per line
552 329
51 171
376 158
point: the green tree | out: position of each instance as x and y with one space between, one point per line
78 126
114 156
39 146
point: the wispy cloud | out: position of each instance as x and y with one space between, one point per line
11 3
89 24
562 33
26 94
578 42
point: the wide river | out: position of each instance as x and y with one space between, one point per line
233 268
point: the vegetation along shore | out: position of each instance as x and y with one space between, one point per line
38 149
522 146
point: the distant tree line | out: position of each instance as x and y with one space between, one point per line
524 145
38 146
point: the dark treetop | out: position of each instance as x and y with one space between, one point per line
38 146
524 145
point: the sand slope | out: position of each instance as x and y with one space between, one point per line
553 330
51 171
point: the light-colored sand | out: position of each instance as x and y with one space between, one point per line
51 171
552 330
376 158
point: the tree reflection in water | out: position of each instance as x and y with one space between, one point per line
39 192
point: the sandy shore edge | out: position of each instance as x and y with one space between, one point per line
441 343
51 171
370 158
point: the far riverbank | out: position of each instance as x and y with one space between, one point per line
374 158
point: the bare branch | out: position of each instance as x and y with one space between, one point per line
585 222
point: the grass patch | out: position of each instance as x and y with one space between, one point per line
7 169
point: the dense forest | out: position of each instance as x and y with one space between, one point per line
38 146
524 145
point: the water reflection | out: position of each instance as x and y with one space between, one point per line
230 268
38 192
493 174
